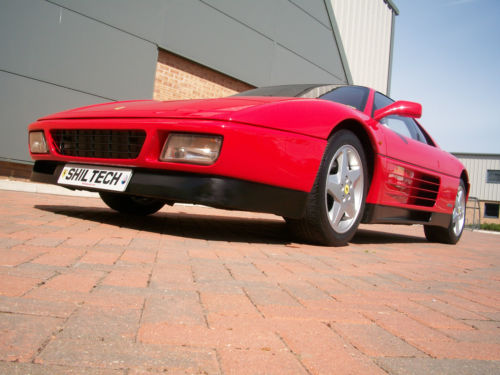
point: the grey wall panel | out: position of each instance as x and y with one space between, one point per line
248 53
58 54
22 101
259 15
315 8
291 68
143 18
301 26
200 32
236 38
44 41
299 32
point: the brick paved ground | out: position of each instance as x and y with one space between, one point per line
193 290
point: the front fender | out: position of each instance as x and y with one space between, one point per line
311 117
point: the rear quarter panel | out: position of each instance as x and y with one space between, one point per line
412 155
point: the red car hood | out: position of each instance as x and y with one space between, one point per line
216 109
303 116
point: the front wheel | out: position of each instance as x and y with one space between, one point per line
131 204
452 234
337 199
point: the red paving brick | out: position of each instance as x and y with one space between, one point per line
134 278
228 304
22 335
237 338
429 317
374 341
265 361
139 257
60 256
84 290
171 276
12 258
78 281
322 351
448 309
13 286
459 350
28 306
100 257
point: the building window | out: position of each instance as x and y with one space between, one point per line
491 210
493 176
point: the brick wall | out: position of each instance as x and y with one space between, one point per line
15 170
179 78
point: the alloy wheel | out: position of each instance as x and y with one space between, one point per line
344 188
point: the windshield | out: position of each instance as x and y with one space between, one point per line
353 96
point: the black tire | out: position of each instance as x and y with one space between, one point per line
452 234
131 204
346 193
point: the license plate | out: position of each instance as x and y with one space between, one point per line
103 178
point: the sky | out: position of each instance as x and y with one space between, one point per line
447 57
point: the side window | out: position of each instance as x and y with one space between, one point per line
397 124
353 96
404 126
420 136
381 101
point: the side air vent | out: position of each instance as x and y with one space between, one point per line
412 187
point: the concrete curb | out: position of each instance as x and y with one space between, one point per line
32 187
486 231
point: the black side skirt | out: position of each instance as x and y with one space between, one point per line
378 214
214 191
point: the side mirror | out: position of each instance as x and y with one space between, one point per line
400 108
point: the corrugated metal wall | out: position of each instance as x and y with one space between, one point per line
365 28
477 167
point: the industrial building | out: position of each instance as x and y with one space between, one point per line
484 177
60 54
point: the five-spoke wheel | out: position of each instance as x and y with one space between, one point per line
337 199
458 216
452 234
344 188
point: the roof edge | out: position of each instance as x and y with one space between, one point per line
393 6
465 154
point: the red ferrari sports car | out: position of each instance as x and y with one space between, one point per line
325 157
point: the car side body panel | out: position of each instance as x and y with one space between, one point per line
396 183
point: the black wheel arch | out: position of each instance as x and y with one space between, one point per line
464 176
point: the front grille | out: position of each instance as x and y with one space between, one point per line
104 144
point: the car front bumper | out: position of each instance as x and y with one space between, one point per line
214 191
